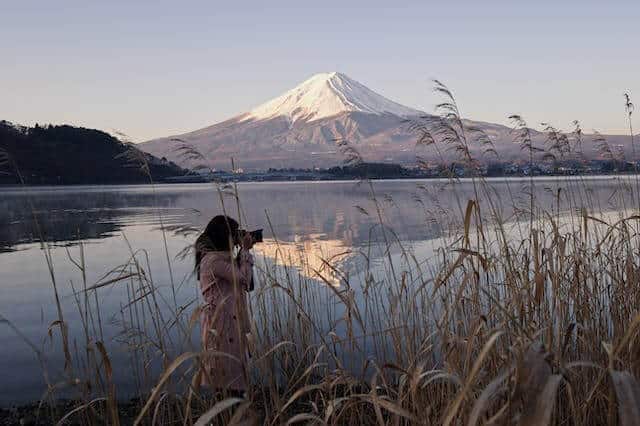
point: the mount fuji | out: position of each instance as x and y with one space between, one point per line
299 129
327 95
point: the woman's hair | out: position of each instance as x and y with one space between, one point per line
219 235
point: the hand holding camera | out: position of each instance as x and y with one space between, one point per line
248 239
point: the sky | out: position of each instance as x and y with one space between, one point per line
157 68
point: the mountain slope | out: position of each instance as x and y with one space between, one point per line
74 155
300 129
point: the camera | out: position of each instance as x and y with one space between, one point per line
256 235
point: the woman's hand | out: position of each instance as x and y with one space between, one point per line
247 241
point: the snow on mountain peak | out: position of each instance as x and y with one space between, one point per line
326 95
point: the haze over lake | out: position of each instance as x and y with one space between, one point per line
337 220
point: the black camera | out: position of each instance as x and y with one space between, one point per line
256 235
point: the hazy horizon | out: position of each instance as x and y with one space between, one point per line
158 69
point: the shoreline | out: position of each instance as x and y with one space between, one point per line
336 180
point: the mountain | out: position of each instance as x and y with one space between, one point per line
327 95
74 155
300 128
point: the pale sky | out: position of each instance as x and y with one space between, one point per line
156 68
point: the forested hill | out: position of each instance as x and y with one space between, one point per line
75 155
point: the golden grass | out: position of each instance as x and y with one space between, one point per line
503 324
528 319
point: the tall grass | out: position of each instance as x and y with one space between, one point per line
528 318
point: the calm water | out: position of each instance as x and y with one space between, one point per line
324 218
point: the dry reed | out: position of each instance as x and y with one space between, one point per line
528 319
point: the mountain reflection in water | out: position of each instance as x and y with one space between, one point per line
312 255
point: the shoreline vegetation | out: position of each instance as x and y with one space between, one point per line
530 319
368 171
67 155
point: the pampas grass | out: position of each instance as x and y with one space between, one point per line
528 319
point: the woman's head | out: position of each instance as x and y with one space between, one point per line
219 235
222 231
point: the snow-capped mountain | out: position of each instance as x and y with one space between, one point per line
327 95
300 129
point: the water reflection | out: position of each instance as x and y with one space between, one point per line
342 211
313 255
286 211
67 216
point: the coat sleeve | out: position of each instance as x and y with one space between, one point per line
240 271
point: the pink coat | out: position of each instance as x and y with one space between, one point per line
225 319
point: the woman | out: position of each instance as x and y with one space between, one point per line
224 279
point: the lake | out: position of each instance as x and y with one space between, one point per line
323 219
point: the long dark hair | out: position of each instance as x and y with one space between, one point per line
219 235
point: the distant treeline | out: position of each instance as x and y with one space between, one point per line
362 170
74 155
495 169
371 171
